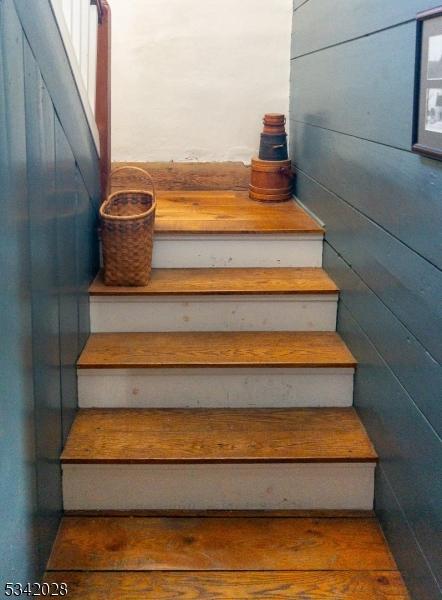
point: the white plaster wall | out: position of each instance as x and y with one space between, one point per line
193 78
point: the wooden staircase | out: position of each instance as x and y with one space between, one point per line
216 453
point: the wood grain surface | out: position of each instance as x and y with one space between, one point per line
140 544
187 176
217 436
225 282
219 349
228 212
228 585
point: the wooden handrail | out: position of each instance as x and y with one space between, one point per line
103 97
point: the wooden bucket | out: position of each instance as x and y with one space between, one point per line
271 181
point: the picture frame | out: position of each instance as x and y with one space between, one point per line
427 126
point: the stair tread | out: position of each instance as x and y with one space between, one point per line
345 585
219 544
225 282
228 212
217 436
215 349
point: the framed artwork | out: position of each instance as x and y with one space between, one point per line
427 134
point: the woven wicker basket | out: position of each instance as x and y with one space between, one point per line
127 225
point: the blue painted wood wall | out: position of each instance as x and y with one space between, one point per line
49 192
352 84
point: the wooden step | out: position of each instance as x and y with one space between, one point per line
218 300
219 544
253 281
228 585
206 225
126 558
217 436
308 459
215 349
228 212
226 229
215 370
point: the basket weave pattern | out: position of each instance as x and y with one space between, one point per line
127 227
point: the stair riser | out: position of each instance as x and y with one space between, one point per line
199 251
213 313
223 487
215 388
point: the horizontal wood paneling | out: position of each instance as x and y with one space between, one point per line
398 190
411 452
407 284
369 99
18 498
415 568
420 375
186 176
322 23
40 131
351 121
46 161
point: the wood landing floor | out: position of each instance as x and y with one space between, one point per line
205 199
334 556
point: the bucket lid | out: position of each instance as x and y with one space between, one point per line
276 118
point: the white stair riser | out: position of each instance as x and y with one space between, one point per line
215 388
326 486
199 251
213 313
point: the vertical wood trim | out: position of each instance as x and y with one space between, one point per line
79 72
92 55
84 41
76 29
103 97
67 11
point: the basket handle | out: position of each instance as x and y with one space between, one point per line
140 170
